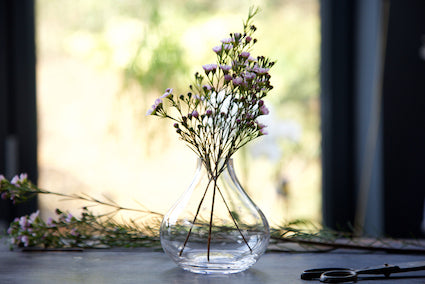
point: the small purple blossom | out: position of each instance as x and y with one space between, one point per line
34 216
154 107
4 196
227 77
263 131
209 68
50 222
74 232
261 127
15 180
199 98
25 240
150 111
207 87
208 112
249 76
227 46
68 218
260 70
23 222
226 40
225 68
264 110
167 94
217 49
195 114
248 39
245 54
237 81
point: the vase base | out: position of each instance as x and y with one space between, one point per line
218 264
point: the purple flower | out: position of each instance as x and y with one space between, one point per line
167 94
23 222
260 70
4 196
74 232
195 114
227 46
245 54
237 37
248 39
25 240
261 127
226 40
50 222
68 218
200 98
217 48
23 177
208 112
150 111
227 77
2 178
225 68
237 81
207 87
264 110
157 104
34 216
209 67
15 180
249 76
263 131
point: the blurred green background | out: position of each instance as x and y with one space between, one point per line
100 65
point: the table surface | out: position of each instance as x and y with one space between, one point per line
147 266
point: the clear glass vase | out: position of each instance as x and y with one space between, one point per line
214 227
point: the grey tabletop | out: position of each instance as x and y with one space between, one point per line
147 266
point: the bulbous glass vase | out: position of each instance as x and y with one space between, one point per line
214 227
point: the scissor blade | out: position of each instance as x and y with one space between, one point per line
411 266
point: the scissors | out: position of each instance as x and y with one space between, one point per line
336 275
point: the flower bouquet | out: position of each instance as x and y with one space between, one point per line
215 227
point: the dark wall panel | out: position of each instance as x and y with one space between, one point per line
404 120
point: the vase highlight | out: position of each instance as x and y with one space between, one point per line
215 227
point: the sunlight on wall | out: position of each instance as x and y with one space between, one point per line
101 66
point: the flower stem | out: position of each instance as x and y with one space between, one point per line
211 219
234 221
194 219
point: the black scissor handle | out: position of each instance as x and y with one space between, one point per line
311 274
337 276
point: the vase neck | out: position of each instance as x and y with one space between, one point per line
215 169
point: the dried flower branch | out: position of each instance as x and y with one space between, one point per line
66 230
